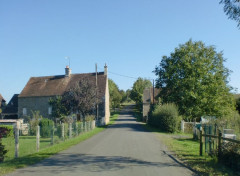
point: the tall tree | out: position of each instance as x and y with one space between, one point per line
58 109
115 95
232 9
138 88
194 78
81 98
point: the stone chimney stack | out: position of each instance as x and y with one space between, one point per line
67 71
105 69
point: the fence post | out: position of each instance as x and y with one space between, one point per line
62 131
201 143
219 144
70 130
182 126
16 141
93 124
38 138
76 126
52 135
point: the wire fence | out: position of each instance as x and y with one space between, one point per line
28 140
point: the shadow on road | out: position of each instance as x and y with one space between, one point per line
95 163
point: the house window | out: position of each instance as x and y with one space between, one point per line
49 110
24 111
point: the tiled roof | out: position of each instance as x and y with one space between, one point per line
12 106
57 85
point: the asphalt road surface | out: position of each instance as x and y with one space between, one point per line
123 149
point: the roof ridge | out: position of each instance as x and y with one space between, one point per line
64 75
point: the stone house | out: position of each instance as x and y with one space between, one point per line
149 97
37 92
11 110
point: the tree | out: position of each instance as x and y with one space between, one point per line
232 9
238 105
81 98
115 95
58 109
138 88
195 79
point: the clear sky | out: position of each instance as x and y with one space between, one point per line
131 36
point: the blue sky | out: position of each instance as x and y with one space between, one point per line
131 36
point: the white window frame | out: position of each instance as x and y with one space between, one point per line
24 111
50 110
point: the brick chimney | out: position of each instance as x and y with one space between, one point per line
67 71
105 69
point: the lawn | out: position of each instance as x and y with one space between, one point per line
27 149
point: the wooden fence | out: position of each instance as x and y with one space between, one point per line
211 142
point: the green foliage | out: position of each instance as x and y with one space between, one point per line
137 90
238 105
166 118
82 98
232 9
195 79
5 131
58 109
115 95
8 131
46 126
34 122
230 155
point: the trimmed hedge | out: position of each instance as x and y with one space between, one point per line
165 117
46 126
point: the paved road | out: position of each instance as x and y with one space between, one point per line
124 149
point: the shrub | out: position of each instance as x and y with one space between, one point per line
46 126
5 131
230 155
165 117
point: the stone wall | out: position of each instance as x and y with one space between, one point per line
33 104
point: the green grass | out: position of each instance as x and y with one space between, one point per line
187 150
10 164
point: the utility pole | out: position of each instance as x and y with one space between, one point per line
96 93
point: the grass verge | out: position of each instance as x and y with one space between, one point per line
11 165
186 149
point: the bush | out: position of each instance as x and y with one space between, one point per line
8 131
230 155
5 131
46 126
165 117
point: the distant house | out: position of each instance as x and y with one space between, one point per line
11 110
2 104
37 92
149 97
